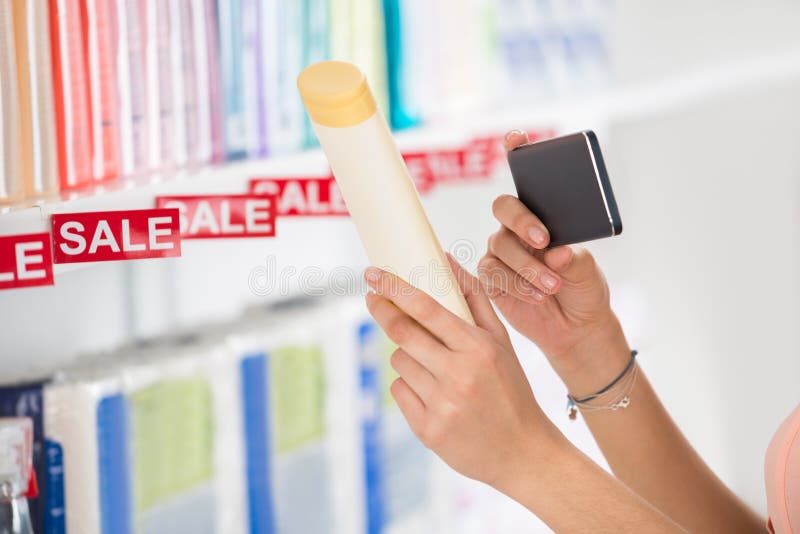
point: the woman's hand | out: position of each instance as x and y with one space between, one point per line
558 298
461 387
465 396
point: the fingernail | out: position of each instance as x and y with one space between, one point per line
372 275
549 281
537 235
512 133
538 296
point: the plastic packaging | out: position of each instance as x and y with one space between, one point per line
316 40
230 43
215 84
98 34
10 184
202 149
281 34
132 86
86 420
160 116
184 91
171 446
403 58
16 450
71 94
25 400
253 79
375 182
37 139
290 468
355 415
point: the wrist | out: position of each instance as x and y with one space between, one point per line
536 452
596 359
540 467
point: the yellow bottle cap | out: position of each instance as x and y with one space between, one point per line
336 94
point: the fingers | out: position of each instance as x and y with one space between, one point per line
419 379
505 246
514 138
406 332
513 214
500 278
478 301
420 306
410 404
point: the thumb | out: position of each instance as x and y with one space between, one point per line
573 264
478 301
584 291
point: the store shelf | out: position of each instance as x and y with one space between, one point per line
634 102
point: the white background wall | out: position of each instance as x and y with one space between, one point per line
711 200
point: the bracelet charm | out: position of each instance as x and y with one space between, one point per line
616 395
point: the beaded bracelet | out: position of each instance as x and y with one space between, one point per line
626 380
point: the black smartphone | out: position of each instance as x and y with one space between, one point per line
564 182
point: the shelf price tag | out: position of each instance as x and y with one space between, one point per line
303 196
25 261
116 235
228 216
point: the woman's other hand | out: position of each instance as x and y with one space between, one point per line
556 297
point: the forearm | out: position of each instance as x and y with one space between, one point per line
571 493
647 451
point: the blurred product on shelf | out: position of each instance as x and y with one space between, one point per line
160 121
286 391
37 135
85 424
254 83
202 57
403 62
316 47
240 427
98 35
184 91
131 86
174 433
549 47
10 184
16 470
283 58
71 93
231 47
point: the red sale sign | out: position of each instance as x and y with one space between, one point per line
25 261
116 235
475 161
302 196
209 216
320 196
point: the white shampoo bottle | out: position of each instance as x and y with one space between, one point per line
374 181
